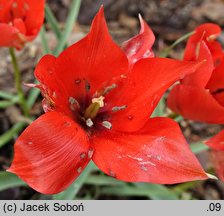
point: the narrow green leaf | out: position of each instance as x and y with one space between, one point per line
198 147
4 103
160 109
102 180
158 192
44 41
178 118
73 189
9 180
71 19
52 21
164 53
6 137
6 95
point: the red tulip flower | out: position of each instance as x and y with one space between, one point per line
216 144
20 21
200 96
98 99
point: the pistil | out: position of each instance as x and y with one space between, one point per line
93 109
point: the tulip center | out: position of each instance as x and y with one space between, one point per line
93 109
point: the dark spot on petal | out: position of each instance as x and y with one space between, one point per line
87 85
67 124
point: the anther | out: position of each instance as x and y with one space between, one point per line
109 88
107 124
118 108
89 122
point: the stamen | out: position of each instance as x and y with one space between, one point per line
99 100
118 108
92 110
197 50
211 38
109 88
107 124
72 100
89 122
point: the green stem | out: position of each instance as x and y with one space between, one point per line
166 51
19 89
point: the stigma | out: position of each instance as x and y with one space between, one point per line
99 100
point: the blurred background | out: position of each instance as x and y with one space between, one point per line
169 20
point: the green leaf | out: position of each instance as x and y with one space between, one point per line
102 180
152 191
160 109
52 21
73 189
198 147
9 180
44 41
6 137
71 19
158 192
178 118
164 53
4 103
8 96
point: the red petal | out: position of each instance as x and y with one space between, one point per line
94 60
54 91
216 51
195 103
9 36
207 32
158 153
139 46
51 153
216 81
219 98
142 90
217 141
218 161
203 74
19 24
34 16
